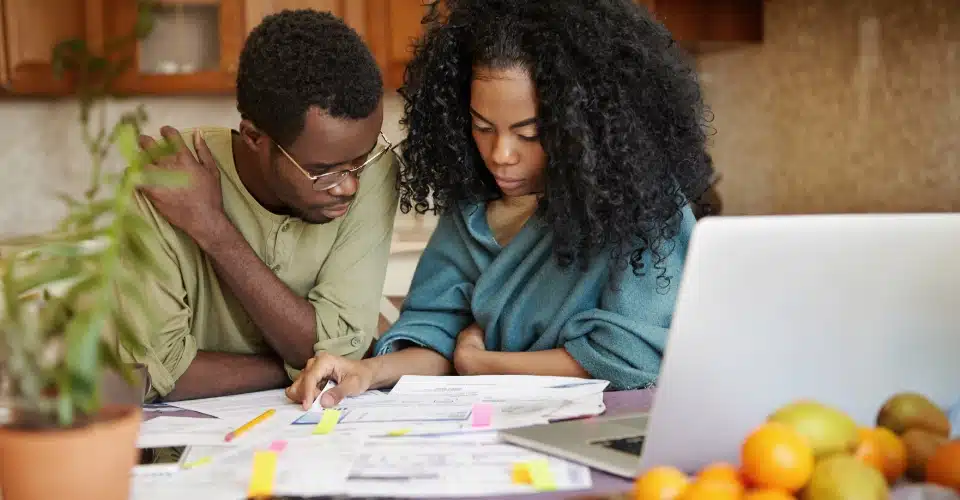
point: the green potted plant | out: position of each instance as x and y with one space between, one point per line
61 314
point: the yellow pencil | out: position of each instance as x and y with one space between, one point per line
247 426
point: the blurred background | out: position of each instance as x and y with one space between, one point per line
818 105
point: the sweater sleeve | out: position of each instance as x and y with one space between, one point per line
623 339
437 308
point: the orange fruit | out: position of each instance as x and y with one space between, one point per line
943 467
709 489
660 483
768 494
869 450
722 472
776 456
883 450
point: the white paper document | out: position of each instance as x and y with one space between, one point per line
425 401
495 385
175 431
242 407
471 465
306 467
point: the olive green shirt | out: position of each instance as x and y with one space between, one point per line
339 267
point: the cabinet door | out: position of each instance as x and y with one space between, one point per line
29 32
353 12
703 25
393 27
193 49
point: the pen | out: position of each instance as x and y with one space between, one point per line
247 426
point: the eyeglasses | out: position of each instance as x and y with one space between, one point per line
330 180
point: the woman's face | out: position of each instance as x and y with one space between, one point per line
503 107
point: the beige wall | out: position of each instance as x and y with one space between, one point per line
848 105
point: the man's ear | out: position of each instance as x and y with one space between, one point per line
252 136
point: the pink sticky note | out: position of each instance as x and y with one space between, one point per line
277 446
481 414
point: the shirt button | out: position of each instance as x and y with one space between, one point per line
275 268
285 227
355 342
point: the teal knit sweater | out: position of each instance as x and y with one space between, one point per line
524 301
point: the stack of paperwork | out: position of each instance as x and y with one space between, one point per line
427 437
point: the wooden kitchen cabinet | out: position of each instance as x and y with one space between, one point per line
353 12
387 26
394 26
195 45
28 32
193 49
707 25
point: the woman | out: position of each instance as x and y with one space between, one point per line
561 142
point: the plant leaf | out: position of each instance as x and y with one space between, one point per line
144 23
64 249
83 355
48 274
65 406
126 139
97 64
11 301
66 55
85 393
68 200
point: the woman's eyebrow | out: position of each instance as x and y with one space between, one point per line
478 115
522 123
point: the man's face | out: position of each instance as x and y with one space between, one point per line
326 145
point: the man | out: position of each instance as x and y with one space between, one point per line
278 247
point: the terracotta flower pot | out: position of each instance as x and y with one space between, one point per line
90 462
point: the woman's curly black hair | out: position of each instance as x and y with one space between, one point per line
620 117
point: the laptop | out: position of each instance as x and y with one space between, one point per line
844 309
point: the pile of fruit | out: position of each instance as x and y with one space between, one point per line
812 451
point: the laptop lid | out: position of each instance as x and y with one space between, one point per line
844 309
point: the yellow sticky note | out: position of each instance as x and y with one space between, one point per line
521 473
540 475
198 462
327 422
264 470
398 432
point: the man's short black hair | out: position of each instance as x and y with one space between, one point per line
296 59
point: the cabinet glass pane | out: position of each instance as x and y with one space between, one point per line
185 39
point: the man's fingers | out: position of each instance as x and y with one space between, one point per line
146 144
292 392
203 151
310 379
173 136
332 397
349 385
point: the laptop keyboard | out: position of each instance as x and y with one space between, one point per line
632 445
